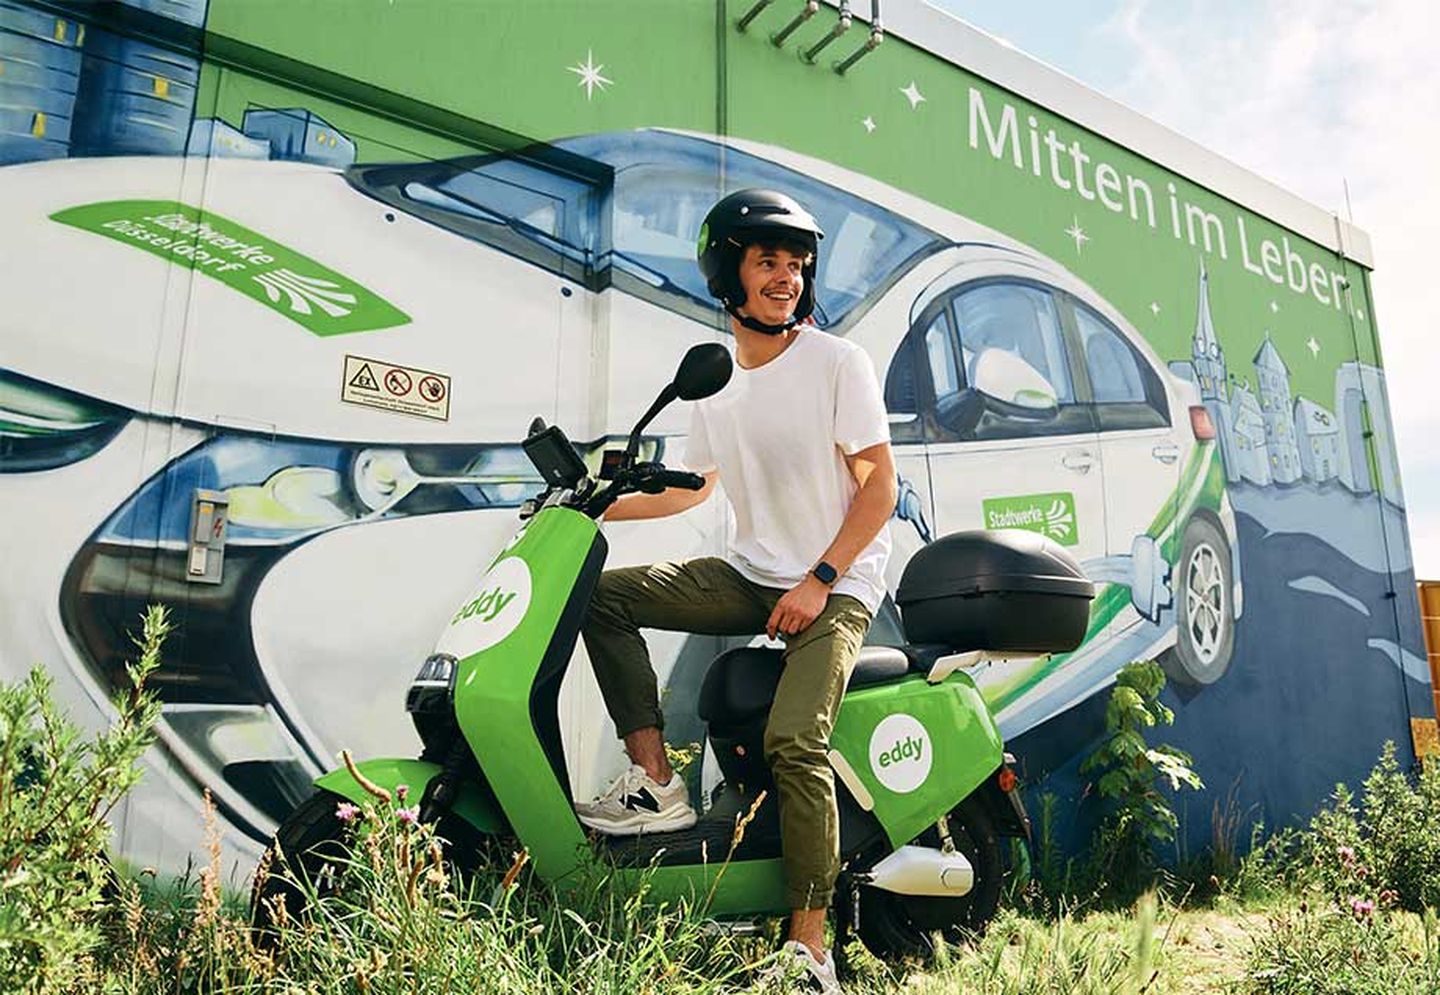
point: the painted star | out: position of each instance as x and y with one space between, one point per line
1274 308
1314 347
869 124
1154 308
913 94
1077 233
590 77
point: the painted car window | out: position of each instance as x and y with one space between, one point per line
544 205
902 401
996 366
1127 391
547 206
1114 372
665 183
940 353
629 205
1020 320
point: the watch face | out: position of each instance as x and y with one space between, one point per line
824 572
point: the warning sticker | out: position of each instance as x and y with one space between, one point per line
390 387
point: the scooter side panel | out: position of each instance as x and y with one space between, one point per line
919 748
390 773
515 622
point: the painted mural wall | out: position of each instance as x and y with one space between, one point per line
323 262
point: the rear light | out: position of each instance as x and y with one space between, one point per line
1201 424
1005 780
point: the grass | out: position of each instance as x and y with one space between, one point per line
1344 906
400 923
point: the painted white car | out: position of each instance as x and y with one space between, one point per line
557 281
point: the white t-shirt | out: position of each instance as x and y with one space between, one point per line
776 434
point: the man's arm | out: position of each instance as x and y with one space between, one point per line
671 501
874 470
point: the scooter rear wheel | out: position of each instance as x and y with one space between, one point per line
894 927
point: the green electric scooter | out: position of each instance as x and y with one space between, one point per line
924 789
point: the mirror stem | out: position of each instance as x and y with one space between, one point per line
632 449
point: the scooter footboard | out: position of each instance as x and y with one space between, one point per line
389 773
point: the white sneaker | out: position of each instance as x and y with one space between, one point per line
796 965
635 804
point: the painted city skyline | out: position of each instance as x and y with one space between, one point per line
1268 435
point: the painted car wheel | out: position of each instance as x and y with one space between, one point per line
894 927
1205 622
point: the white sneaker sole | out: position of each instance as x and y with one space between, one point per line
638 824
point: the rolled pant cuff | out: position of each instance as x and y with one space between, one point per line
626 724
809 898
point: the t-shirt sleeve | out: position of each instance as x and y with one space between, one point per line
860 418
698 456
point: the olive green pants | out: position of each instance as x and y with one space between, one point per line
709 597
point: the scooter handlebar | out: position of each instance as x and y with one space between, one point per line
682 479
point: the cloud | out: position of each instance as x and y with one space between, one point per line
1313 96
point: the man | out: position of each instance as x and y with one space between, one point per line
800 440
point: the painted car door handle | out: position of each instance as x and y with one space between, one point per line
1080 461
1166 453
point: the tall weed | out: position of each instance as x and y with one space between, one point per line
56 788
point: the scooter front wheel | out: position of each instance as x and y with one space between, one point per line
310 838
894 926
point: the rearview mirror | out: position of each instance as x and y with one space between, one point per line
704 370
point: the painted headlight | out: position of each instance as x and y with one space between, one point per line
282 493
44 427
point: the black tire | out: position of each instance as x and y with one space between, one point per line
311 837
894 927
1204 585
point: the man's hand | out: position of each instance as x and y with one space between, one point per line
798 607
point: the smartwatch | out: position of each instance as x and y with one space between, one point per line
824 573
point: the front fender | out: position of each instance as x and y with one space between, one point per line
389 773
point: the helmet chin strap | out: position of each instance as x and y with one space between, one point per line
759 326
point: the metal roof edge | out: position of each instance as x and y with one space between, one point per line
943 34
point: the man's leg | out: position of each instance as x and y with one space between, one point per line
797 739
705 596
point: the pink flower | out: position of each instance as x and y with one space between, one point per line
1346 854
409 816
346 812
1361 907
401 790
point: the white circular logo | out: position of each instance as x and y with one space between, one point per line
493 610
900 753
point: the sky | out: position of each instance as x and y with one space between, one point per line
1314 97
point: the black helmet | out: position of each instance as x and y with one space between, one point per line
745 217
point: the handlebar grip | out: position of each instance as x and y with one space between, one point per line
682 479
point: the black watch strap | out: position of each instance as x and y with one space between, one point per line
825 573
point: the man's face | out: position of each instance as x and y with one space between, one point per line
772 279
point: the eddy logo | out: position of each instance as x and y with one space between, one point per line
488 605
494 609
900 753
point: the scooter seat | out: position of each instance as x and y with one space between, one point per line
740 685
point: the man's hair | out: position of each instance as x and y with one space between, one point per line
772 243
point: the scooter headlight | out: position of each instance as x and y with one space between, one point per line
431 704
44 427
433 690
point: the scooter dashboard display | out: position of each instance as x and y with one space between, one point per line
553 455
